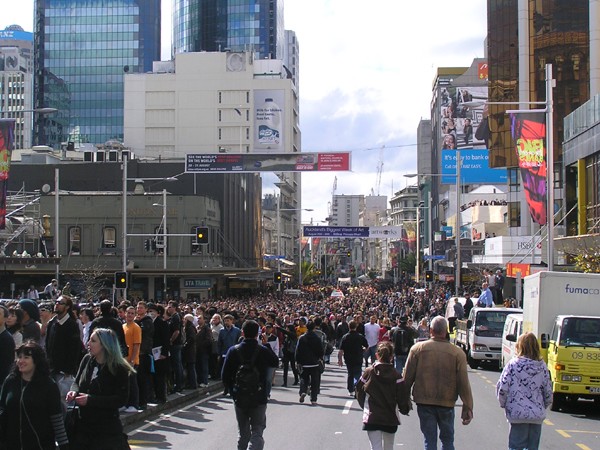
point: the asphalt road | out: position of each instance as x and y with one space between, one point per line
336 422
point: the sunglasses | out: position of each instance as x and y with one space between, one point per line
60 303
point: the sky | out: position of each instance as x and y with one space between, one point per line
366 73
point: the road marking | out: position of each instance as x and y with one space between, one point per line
583 447
547 422
577 431
347 407
563 433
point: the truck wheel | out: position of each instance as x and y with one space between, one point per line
557 402
473 363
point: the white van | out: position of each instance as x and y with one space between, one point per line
513 327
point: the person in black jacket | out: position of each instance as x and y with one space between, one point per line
252 421
308 355
7 345
100 388
31 404
352 348
160 350
144 375
204 342
108 320
63 344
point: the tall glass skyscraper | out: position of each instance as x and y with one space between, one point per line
83 48
236 25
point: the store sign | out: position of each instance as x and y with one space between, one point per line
197 283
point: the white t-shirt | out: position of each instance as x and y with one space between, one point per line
372 333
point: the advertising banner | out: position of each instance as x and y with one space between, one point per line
7 138
463 116
528 130
349 232
474 168
280 162
269 120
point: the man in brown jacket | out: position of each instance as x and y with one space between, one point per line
437 372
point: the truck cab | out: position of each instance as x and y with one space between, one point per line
573 354
513 328
480 336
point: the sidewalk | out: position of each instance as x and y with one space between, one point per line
173 401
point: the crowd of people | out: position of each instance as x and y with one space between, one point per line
107 359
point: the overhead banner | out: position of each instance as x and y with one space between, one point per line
354 232
7 139
528 130
280 162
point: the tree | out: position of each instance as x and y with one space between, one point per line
92 281
309 272
408 263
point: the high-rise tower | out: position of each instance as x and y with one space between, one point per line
82 50
237 25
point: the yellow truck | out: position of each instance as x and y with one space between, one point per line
563 310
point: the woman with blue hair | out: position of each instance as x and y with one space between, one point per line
99 390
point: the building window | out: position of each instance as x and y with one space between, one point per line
514 214
513 179
75 241
109 239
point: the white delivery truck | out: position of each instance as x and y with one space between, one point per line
563 310
480 335
512 330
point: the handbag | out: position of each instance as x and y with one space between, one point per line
71 421
321 366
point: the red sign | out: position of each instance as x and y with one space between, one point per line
482 71
512 269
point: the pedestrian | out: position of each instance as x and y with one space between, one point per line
228 336
51 290
524 390
289 354
204 342
189 352
63 344
468 306
499 286
31 318
436 370
486 299
372 335
269 338
146 366
308 355
403 337
33 294
381 394
250 400
100 388
213 362
30 402
176 343
160 351
352 347
14 324
133 338
7 346
108 319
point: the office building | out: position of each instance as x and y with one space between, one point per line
83 49
238 26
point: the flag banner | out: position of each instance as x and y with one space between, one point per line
528 130
7 135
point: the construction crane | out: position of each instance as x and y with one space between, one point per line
379 170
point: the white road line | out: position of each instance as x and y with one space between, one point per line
347 407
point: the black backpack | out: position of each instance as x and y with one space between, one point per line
247 387
402 341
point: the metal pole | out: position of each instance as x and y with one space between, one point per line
418 258
278 233
124 224
164 199
430 231
56 221
457 231
300 253
550 165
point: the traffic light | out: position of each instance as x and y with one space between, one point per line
121 280
429 275
348 253
277 277
147 244
202 235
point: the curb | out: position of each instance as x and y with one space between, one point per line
173 401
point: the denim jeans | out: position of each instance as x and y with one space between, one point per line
202 367
433 417
399 362
524 436
354 373
251 425
310 376
177 366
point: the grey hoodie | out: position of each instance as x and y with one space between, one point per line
524 390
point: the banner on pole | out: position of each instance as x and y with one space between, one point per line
7 138
528 130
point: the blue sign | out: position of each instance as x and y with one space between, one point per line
339 232
434 257
272 257
474 168
447 229
197 283
16 35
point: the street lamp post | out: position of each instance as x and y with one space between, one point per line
164 240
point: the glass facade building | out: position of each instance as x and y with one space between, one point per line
236 25
83 48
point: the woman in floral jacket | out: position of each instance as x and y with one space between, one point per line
524 390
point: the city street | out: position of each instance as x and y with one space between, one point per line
336 422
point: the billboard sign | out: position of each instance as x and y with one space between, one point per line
474 168
269 120
280 162
7 138
353 232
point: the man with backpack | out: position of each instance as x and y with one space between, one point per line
403 337
244 375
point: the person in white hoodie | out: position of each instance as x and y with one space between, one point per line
524 390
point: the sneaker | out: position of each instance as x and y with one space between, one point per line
313 403
203 385
131 409
351 394
302 396
122 409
